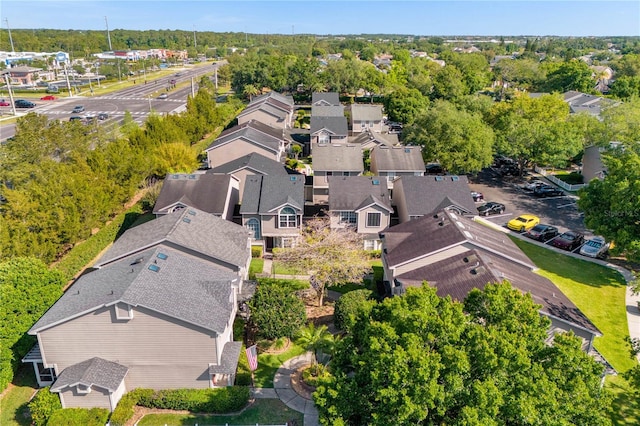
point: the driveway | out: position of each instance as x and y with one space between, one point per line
561 212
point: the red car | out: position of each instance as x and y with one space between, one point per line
48 98
4 103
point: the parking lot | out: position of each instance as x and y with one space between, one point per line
561 212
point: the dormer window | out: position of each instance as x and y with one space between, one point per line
124 311
287 218
83 389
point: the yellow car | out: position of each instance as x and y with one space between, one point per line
524 222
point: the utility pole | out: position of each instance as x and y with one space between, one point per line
10 38
108 35
13 104
66 72
195 44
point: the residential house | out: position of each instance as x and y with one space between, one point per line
454 254
368 140
272 209
417 196
361 202
325 99
251 164
333 160
273 109
327 111
215 194
585 103
391 162
592 165
244 139
366 116
327 130
156 312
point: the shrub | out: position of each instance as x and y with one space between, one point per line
80 417
288 285
256 251
43 405
350 306
374 254
276 312
124 409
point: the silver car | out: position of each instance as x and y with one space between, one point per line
596 247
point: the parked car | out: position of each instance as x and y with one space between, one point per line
547 191
77 109
4 102
477 196
434 169
542 232
533 184
491 208
163 96
48 98
76 118
595 247
103 116
523 222
90 116
22 103
568 240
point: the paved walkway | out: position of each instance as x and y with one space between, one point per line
282 389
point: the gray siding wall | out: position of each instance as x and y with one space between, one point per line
98 398
270 226
161 352
362 220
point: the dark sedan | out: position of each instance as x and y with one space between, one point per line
542 232
547 191
22 103
491 208
568 241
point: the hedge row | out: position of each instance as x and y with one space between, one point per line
83 253
79 417
217 401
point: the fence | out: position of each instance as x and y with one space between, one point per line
560 183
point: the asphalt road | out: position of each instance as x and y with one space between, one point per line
561 212
140 100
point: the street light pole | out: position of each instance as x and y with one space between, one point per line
13 104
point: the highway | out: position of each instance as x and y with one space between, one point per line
140 100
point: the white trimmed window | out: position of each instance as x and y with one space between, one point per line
373 219
348 217
287 218
254 226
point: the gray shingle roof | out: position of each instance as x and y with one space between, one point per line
262 194
256 163
255 125
327 111
228 360
431 233
251 135
92 372
425 194
335 125
337 157
325 98
288 100
361 112
369 139
349 193
206 192
161 279
400 159
190 228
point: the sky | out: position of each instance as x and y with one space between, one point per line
332 17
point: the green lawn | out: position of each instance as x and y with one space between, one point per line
262 411
13 405
255 267
280 269
268 364
598 291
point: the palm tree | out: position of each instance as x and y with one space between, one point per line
315 339
250 90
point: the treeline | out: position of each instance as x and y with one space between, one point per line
64 179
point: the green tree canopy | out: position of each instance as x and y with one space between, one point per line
276 312
404 105
612 206
460 141
422 359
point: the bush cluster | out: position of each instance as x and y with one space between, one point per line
43 405
79 417
256 251
350 306
217 401
276 311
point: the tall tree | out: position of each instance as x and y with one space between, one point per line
332 256
422 359
612 206
457 139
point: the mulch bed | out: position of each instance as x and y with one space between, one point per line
299 386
